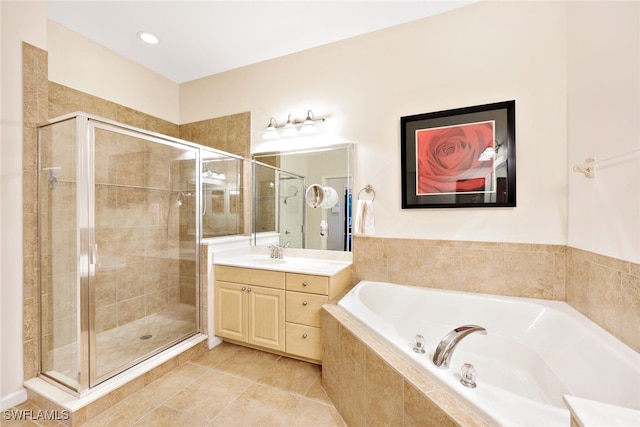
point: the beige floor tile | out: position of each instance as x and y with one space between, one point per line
247 363
259 405
124 413
318 393
216 355
166 386
291 375
206 397
26 415
313 414
167 417
220 389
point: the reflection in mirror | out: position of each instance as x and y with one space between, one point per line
281 214
221 195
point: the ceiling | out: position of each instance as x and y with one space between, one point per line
201 38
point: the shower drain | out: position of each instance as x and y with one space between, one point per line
146 337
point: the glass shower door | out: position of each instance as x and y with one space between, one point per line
143 256
291 209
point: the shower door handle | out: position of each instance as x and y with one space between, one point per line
93 254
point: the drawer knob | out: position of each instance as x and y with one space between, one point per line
304 303
304 284
304 336
248 289
244 288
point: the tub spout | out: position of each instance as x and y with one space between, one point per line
448 344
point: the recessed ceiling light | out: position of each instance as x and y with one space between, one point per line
148 37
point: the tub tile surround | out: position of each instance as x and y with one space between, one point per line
371 385
605 289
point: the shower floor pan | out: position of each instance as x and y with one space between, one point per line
121 345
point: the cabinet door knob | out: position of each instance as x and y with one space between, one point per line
304 336
244 288
304 284
304 303
248 289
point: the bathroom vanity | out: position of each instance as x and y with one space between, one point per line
274 304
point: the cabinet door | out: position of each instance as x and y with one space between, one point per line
266 317
231 313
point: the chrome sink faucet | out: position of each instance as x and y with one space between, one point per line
448 344
276 251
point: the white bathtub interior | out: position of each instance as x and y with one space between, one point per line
535 352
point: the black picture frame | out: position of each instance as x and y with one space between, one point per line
459 158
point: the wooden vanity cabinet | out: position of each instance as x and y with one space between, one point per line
250 306
306 293
273 309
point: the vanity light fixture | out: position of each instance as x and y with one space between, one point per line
309 124
147 37
291 127
271 132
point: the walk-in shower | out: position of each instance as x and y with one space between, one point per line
120 224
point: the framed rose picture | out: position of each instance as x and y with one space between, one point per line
465 157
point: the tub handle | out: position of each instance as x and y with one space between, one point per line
304 303
419 345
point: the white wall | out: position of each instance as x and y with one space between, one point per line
79 63
19 21
486 52
604 121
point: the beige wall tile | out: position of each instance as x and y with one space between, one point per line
405 263
370 259
421 412
604 294
351 377
384 393
628 313
530 275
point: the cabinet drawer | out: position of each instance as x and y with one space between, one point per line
304 341
304 308
308 283
249 276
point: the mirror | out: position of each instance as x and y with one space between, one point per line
281 212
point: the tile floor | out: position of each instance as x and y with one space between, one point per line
227 386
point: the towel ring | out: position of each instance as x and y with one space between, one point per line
368 189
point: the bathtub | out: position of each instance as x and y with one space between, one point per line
535 351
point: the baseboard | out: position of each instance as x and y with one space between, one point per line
13 399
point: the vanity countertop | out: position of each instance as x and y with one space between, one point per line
322 267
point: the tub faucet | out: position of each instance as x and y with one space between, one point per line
448 344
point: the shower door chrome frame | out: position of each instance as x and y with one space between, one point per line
85 236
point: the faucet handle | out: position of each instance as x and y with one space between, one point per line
469 375
419 345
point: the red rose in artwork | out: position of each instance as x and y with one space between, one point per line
448 158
